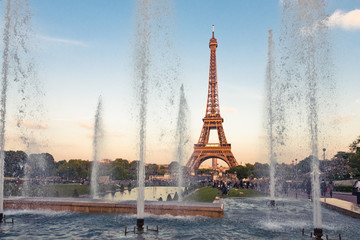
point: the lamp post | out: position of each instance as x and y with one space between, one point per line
324 149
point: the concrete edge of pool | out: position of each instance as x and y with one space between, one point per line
213 210
344 207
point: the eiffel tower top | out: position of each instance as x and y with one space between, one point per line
212 107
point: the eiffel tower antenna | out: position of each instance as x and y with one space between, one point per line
204 150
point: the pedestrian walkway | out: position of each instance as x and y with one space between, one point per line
345 207
346 196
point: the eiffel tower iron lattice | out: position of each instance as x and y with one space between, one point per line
204 150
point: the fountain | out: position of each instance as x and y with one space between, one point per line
181 135
270 74
4 73
16 65
98 134
142 64
306 69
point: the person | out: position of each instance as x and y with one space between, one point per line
357 190
323 188
285 188
331 188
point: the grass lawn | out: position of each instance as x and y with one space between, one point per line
205 194
208 194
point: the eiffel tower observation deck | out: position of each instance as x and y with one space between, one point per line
204 150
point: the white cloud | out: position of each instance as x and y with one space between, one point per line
345 20
63 41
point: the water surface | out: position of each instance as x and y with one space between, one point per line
243 219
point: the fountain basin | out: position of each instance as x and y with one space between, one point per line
246 219
344 207
87 205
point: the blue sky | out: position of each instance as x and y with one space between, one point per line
83 49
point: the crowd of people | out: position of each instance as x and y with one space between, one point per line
282 187
225 186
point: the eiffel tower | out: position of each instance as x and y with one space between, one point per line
204 150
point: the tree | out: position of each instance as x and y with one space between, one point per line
78 169
304 167
15 163
152 169
41 165
354 145
241 171
173 167
261 170
337 168
354 156
354 162
119 172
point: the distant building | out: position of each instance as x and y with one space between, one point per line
105 160
165 177
104 180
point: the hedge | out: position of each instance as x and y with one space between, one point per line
343 188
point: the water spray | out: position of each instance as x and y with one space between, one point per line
4 76
98 134
181 137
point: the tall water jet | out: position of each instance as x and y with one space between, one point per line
314 33
30 114
97 140
4 84
270 73
142 65
182 140
309 55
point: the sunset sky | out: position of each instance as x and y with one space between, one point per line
84 49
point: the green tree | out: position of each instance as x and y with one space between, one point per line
119 173
14 163
78 169
173 167
242 171
41 165
162 170
354 156
152 169
261 170
304 167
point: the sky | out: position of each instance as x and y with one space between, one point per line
84 49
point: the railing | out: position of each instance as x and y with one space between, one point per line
212 145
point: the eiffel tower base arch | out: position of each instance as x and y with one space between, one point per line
202 153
